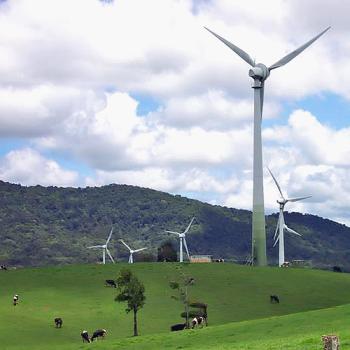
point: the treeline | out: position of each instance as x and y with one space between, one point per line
51 225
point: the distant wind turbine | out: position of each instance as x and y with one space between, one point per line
281 225
259 73
104 249
182 237
132 251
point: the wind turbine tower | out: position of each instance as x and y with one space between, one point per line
104 249
281 225
259 73
182 238
131 251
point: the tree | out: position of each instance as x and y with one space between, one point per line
182 287
167 252
131 291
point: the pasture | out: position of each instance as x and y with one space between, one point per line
234 294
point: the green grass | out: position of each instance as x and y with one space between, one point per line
301 331
234 293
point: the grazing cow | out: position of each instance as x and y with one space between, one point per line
274 299
198 321
3 267
15 299
337 269
100 333
286 264
111 283
178 327
58 322
219 260
85 336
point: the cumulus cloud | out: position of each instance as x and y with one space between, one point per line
28 167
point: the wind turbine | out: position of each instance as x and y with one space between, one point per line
259 73
182 237
105 249
281 225
131 260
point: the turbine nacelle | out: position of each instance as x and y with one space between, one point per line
282 202
260 72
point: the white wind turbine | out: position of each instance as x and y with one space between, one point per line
132 251
104 249
259 73
182 237
281 225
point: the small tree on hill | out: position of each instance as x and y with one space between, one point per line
131 291
167 252
181 287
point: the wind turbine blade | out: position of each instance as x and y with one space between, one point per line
278 225
95 246
110 235
125 244
297 199
110 256
185 244
234 48
139 250
274 179
291 231
296 52
278 238
188 227
177 233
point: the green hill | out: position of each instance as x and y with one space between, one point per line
301 331
234 293
50 225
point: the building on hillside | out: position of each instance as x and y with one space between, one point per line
201 258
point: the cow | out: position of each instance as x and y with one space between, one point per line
85 336
178 327
337 269
15 299
274 299
100 333
197 321
58 322
111 283
3 267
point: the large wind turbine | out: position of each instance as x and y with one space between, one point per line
259 73
182 237
281 225
105 248
131 259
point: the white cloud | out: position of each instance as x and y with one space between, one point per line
26 166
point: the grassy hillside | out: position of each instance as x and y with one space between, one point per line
301 331
50 225
77 294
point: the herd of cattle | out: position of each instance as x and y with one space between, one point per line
198 321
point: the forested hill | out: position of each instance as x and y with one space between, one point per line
51 225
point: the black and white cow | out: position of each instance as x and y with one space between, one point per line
15 299
178 327
85 336
274 299
111 283
100 333
58 322
198 321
